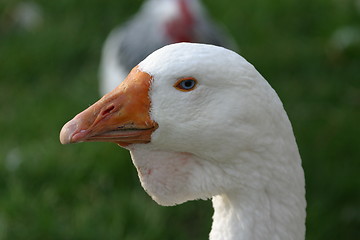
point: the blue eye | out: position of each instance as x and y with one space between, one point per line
186 84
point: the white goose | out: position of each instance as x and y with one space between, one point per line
158 23
201 122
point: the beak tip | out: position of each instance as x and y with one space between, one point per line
67 132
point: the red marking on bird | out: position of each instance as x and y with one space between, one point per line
181 28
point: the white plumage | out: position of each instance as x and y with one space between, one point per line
228 138
158 23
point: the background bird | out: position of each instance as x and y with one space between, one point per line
158 23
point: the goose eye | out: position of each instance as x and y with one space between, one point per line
186 84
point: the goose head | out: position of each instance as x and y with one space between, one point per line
201 122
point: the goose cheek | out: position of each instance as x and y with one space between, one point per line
163 175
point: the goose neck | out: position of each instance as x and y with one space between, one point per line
258 215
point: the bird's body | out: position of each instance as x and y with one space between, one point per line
158 23
205 124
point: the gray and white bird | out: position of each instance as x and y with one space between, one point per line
158 23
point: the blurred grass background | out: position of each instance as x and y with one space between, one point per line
308 50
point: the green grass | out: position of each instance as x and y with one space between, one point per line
91 191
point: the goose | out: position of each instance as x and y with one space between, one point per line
201 122
158 23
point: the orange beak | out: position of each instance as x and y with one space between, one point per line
121 116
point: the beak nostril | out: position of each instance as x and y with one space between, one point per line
107 110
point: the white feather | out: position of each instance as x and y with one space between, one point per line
229 139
